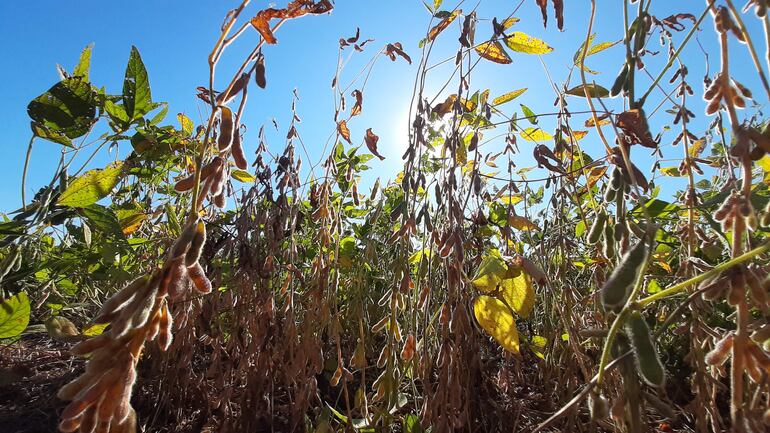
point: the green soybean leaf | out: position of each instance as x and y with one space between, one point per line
92 186
594 91
67 109
103 219
529 114
14 315
84 64
137 99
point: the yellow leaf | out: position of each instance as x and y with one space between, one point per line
510 96
493 51
511 199
243 176
95 329
763 162
670 171
602 122
524 43
519 294
496 318
536 135
521 223
187 124
697 147
509 22
595 174
491 272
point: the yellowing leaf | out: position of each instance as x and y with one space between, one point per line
602 121
14 315
509 22
92 186
521 223
187 124
519 294
595 174
496 318
243 176
697 147
131 223
95 329
670 171
524 43
493 51
491 272
579 135
510 96
511 199
536 135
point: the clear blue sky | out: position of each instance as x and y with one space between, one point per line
174 38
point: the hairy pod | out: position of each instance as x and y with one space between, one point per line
166 323
259 72
609 194
238 155
154 327
196 246
178 279
620 231
142 313
616 179
598 406
90 395
737 291
759 355
185 240
185 184
648 364
757 292
714 289
617 288
597 227
226 128
87 346
199 279
609 240
721 351
88 420
220 200
70 390
117 301
762 334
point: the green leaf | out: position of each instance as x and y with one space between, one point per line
14 315
137 99
41 131
103 219
243 176
524 43
84 64
529 114
92 186
594 91
510 96
117 113
656 208
411 424
68 108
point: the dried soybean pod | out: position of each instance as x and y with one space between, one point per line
620 231
166 322
226 128
617 288
238 156
596 228
120 299
178 281
199 279
648 364
185 184
88 420
212 167
616 179
87 346
609 240
620 81
183 243
196 247
721 350
70 390
220 200
259 72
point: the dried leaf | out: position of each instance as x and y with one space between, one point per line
391 50
521 223
356 110
371 143
295 9
342 129
438 28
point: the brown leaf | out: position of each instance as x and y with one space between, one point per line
446 106
371 143
342 129
558 9
634 125
295 9
438 28
391 50
493 51
356 110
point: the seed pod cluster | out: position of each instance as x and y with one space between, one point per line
183 263
213 181
722 88
617 288
756 360
734 208
648 363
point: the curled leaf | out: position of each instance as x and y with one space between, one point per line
494 52
371 143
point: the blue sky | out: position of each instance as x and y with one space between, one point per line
174 38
